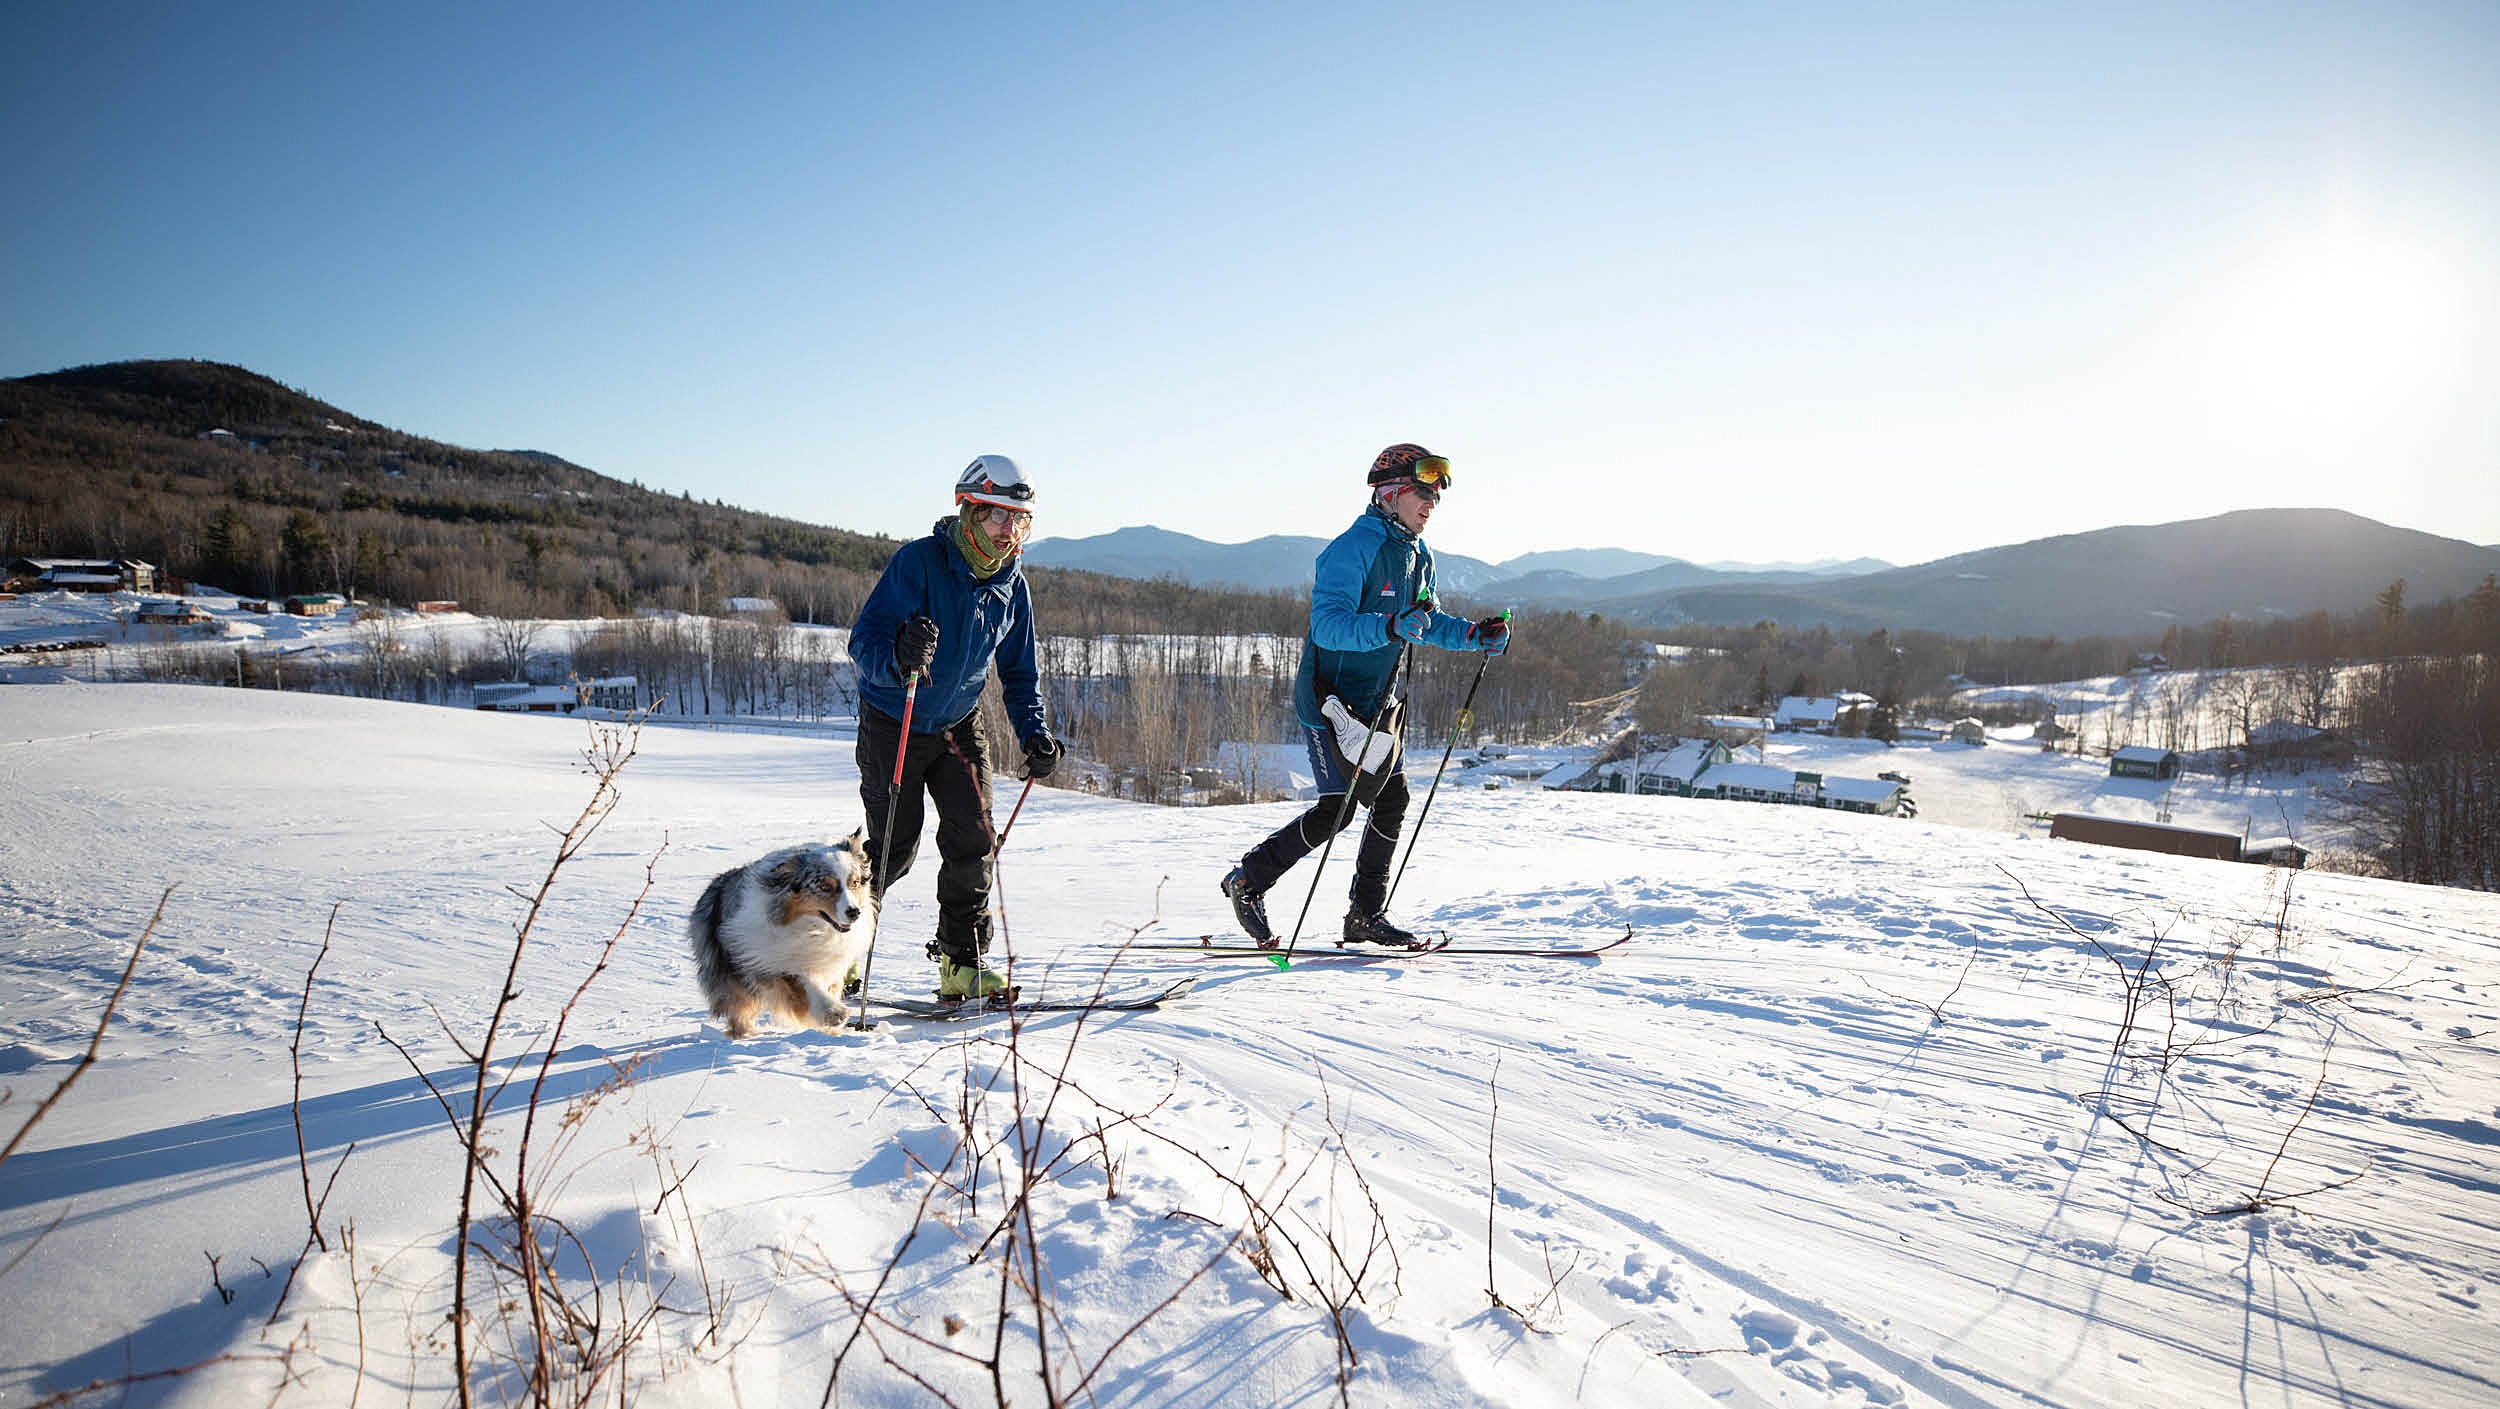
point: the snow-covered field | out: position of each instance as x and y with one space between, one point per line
2007 784
1849 1121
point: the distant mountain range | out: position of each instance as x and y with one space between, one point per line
2127 581
1283 562
127 459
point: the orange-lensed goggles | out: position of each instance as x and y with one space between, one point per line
1432 472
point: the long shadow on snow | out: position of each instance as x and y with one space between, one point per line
385 1110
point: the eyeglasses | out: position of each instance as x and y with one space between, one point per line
1004 517
1432 471
1425 492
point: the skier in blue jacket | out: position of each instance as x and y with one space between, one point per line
1371 597
948 606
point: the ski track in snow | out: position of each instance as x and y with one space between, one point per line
1741 1159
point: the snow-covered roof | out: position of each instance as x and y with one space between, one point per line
1873 790
1736 721
1563 776
2141 753
1820 709
1768 777
1682 761
1807 709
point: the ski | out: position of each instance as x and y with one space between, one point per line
1567 951
1224 945
1218 944
1098 1003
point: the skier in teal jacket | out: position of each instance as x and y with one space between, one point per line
1371 597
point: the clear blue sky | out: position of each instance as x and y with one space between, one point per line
1722 281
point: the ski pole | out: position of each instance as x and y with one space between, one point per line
1001 844
998 888
885 847
1345 811
1466 716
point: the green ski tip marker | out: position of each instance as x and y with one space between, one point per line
1280 962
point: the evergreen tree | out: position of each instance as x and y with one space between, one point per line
304 551
230 551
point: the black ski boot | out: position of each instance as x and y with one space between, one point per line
1249 908
1376 929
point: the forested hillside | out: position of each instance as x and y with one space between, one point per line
219 475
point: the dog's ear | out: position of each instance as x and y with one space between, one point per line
857 841
785 876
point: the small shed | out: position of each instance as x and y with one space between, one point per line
1968 731
2276 851
2144 761
315 604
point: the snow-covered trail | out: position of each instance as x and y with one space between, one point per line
1840 1126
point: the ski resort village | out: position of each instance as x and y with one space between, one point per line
1775 1064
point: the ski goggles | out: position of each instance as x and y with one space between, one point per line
1432 472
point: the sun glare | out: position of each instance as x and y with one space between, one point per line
2339 328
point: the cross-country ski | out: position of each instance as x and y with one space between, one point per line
1123 1001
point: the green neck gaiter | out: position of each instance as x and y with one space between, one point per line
986 561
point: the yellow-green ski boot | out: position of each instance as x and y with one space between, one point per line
957 982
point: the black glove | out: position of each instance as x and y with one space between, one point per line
1491 635
1041 756
915 646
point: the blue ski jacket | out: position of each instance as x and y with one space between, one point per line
977 622
1361 581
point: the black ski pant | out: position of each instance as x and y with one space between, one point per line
1271 859
952 769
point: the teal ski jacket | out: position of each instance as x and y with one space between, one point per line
1360 582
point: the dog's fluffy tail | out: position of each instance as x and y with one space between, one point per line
714 971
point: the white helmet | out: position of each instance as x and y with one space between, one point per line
994 479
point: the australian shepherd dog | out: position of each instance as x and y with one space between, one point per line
782 934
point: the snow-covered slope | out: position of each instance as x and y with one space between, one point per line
1841 1125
